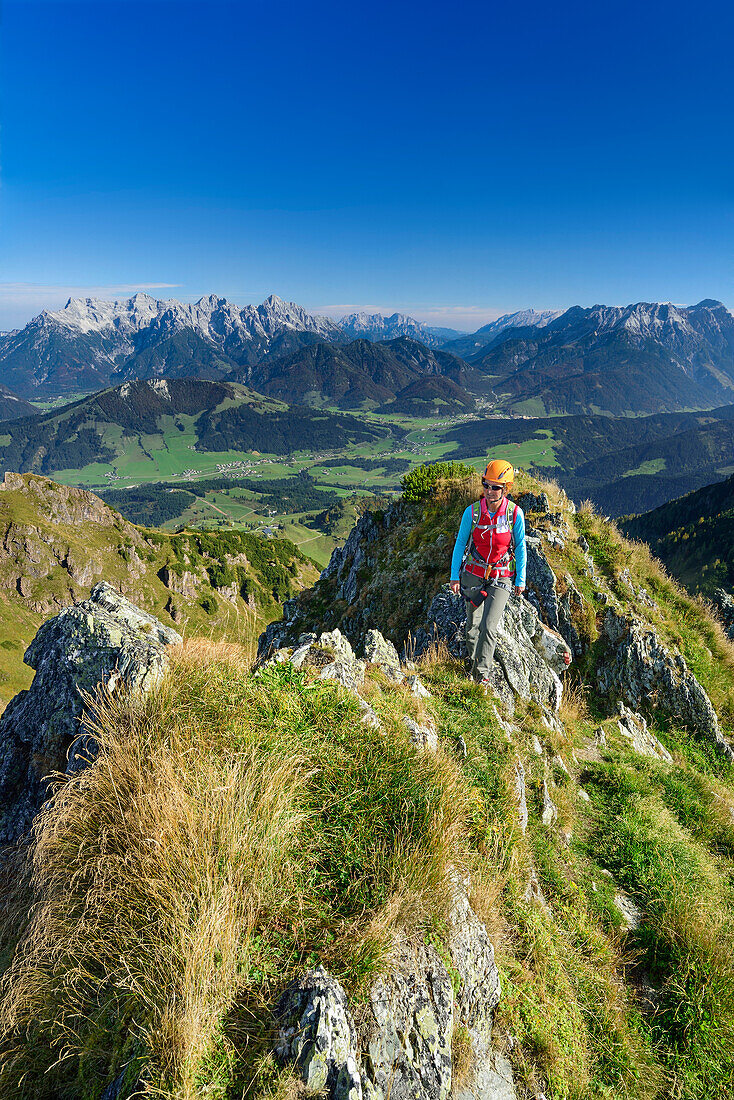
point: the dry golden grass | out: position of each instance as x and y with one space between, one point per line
223 810
574 707
149 872
462 490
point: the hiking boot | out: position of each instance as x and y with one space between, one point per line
485 684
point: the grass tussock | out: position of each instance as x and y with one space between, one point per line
234 830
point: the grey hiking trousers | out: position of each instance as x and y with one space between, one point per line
482 623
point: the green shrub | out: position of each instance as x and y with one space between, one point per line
418 484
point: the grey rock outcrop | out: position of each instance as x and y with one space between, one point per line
529 653
519 790
406 1028
644 674
549 810
104 640
633 728
379 651
424 735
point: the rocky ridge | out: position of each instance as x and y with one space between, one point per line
542 632
104 640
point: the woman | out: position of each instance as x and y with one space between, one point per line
488 563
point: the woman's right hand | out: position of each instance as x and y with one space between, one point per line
455 587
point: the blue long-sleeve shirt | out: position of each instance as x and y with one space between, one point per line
518 531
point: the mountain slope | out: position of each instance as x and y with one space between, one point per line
643 358
473 345
331 870
215 416
12 406
623 464
360 374
693 536
430 395
56 542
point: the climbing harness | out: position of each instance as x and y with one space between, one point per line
490 549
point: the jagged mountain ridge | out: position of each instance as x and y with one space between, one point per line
472 345
376 327
92 343
642 358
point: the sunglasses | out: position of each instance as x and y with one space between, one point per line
487 485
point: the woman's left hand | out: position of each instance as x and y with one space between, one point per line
519 589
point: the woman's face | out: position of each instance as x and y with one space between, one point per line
493 493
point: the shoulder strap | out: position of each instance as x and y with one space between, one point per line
476 511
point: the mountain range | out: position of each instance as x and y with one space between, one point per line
373 326
91 343
642 358
623 464
638 359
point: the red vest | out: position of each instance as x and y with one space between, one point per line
491 542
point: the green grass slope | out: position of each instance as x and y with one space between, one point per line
693 536
56 542
243 826
157 427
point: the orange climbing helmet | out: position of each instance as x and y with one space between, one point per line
500 471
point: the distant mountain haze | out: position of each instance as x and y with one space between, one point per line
470 344
373 326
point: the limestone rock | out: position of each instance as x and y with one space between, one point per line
425 736
409 1028
520 794
104 640
379 651
532 502
417 687
549 811
630 912
183 584
523 647
406 1026
633 728
318 1035
640 670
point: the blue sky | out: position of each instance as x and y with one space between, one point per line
452 161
